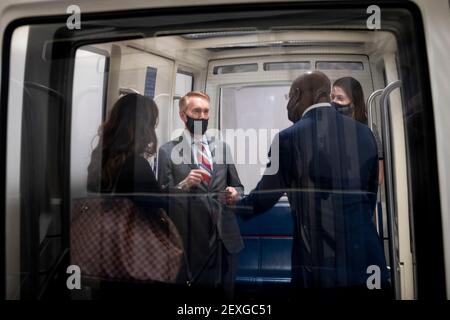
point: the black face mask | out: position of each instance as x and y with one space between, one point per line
196 124
345 109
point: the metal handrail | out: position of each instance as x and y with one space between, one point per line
390 183
369 106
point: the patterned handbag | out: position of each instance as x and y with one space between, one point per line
112 239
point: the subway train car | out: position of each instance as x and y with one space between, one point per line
65 64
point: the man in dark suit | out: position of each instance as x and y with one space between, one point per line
201 166
327 165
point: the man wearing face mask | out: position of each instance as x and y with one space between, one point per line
201 168
327 166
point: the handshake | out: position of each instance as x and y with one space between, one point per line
196 176
229 197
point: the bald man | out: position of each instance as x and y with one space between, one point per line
328 167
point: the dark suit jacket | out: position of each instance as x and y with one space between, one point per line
328 167
198 213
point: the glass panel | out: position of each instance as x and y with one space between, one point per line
240 106
82 141
339 65
236 68
37 168
275 66
14 238
87 114
184 84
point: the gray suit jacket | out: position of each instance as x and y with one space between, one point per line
198 213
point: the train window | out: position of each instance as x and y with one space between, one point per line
336 65
276 66
235 68
240 106
88 119
88 112
184 84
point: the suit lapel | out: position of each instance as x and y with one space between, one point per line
185 152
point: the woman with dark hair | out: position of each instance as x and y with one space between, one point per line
126 140
347 97
138 244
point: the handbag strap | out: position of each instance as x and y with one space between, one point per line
192 278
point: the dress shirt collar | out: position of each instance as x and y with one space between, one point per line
317 105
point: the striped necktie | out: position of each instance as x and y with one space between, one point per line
204 162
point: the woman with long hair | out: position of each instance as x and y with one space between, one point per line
126 140
347 97
145 251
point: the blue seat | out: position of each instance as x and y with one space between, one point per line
266 258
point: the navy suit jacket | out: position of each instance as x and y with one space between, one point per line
328 167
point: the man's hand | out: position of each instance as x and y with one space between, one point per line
193 179
230 197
